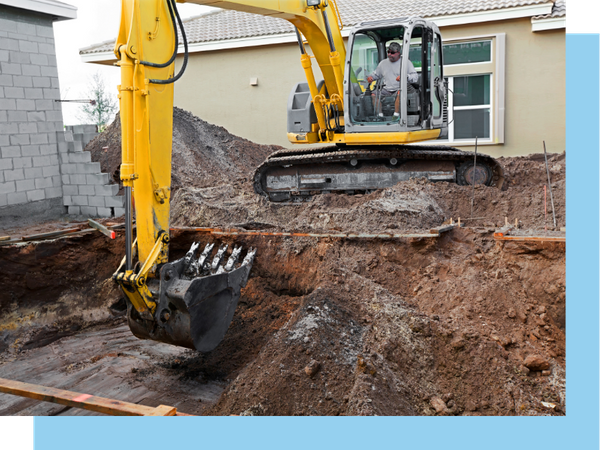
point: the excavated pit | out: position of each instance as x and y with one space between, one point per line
462 324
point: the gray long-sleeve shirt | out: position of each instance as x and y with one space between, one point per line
389 71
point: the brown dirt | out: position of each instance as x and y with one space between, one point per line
416 326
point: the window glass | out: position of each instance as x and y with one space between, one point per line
472 90
471 123
364 55
467 52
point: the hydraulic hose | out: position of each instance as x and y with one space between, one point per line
185 45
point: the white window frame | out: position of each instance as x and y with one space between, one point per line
496 69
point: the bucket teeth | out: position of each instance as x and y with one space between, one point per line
219 256
249 257
190 268
235 254
204 257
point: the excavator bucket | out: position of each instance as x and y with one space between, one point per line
197 298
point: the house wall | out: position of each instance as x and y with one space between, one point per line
44 172
29 116
535 84
216 87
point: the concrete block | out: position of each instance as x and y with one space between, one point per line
19 139
41 183
10 68
41 82
34 196
34 93
3 116
3 200
68 135
25 185
48 149
74 210
26 28
97 201
54 192
31 70
66 179
70 189
80 200
11 151
89 211
51 137
33 172
9 44
38 138
68 169
63 148
55 116
17 116
80 157
4 140
41 161
119 212
13 175
14 92
8 103
87 137
91 167
46 49
78 179
9 128
6 80
67 201
22 163
50 171
16 198
48 71
75 147
56 181
51 93
101 178
46 127
7 187
6 163
44 105
18 57
39 60
114 202
104 212
28 127
85 189
54 82
29 105
23 81
44 31
8 25
108 190
4 56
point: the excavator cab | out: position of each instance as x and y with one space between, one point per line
416 101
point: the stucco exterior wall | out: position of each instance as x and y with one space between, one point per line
217 88
534 86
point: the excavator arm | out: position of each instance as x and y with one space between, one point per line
319 23
189 302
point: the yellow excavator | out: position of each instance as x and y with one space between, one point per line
362 138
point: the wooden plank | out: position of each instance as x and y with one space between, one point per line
83 401
102 229
51 234
531 238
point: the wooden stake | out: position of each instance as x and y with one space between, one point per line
549 186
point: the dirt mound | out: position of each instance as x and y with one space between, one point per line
457 325
203 154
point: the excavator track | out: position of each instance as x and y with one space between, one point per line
296 175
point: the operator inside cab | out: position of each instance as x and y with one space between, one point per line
387 74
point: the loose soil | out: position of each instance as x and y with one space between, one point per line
462 324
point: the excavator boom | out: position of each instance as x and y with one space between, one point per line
186 302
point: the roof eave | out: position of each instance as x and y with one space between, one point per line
551 23
60 11
520 12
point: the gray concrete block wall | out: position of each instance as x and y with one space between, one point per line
40 163
29 116
86 190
